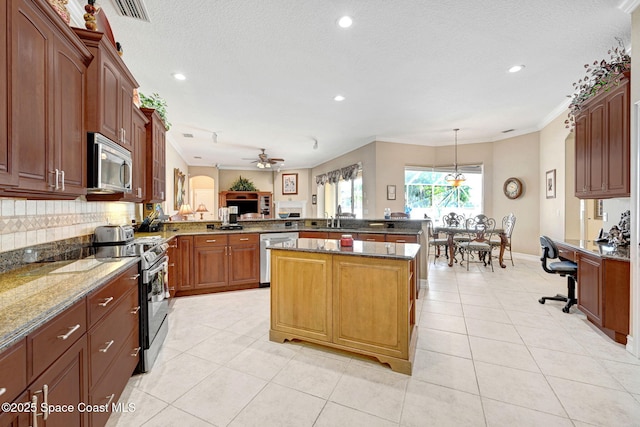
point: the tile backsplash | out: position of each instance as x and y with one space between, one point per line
29 222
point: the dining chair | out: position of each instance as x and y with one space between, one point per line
479 230
436 242
508 224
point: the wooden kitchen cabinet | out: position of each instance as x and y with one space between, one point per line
313 235
139 157
602 152
13 372
156 157
222 262
359 304
110 87
46 95
402 238
247 201
17 419
370 237
8 155
603 289
173 266
185 264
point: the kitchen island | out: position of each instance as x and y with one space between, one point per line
359 298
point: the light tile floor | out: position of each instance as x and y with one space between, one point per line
488 355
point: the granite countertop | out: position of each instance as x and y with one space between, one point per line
602 249
36 293
387 250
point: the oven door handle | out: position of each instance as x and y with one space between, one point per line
162 265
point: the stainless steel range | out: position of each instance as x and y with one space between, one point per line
154 298
116 242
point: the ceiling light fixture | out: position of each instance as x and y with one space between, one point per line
179 76
214 136
455 178
345 22
315 144
339 98
516 68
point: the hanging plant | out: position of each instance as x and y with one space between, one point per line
601 76
158 103
242 184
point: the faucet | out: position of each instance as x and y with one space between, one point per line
338 215
329 219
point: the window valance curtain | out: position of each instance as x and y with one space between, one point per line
347 173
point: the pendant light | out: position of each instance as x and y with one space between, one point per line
455 178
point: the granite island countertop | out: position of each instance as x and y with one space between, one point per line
602 249
32 295
388 250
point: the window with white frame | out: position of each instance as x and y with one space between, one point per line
428 193
335 190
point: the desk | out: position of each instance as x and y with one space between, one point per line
452 231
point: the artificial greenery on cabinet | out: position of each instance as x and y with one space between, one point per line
242 184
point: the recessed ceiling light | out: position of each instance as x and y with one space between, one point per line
516 68
345 22
179 76
339 98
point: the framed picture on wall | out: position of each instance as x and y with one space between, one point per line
289 183
391 192
550 184
178 188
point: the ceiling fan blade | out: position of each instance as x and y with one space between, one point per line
276 160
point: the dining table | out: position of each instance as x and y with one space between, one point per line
451 232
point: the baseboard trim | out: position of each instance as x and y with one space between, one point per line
632 346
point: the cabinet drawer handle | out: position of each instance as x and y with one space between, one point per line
172 289
173 246
244 239
401 241
172 265
109 344
134 277
136 351
106 301
62 176
2 391
110 399
68 334
135 310
211 241
370 240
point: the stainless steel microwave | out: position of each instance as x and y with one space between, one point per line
109 166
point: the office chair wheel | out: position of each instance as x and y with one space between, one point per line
541 300
566 309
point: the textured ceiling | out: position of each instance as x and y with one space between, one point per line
263 73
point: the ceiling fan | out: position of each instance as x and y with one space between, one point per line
265 161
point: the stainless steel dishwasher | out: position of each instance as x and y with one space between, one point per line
288 238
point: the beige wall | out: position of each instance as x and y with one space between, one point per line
572 221
173 160
552 156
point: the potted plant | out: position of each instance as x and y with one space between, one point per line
601 76
242 184
157 103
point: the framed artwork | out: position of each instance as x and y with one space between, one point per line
178 188
314 199
391 192
289 183
597 209
550 184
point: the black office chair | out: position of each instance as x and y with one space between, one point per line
563 268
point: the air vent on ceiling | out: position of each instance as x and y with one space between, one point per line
187 135
508 130
132 8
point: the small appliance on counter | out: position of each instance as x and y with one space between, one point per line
229 218
114 241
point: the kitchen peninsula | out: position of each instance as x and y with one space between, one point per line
358 298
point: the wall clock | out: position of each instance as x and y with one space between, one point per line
512 188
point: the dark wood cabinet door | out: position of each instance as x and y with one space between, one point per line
581 130
70 137
210 266
618 142
185 250
17 419
66 381
138 153
155 167
597 140
590 287
31 81
8 153
126 114
244 260
109 107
